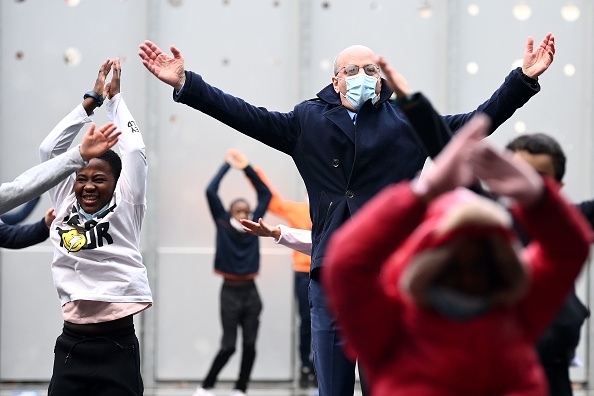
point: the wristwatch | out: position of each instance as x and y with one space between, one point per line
92 94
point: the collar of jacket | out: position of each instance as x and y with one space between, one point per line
329 95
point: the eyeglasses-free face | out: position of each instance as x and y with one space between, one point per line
353 70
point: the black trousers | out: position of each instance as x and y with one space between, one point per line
301 290
101 363
240 307
558 379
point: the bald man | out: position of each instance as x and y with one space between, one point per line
347 143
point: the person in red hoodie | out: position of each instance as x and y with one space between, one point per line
429 286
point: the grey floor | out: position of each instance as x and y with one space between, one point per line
179 389
186 389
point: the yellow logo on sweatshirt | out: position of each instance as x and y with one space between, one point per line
74 240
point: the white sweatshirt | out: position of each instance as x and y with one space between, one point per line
102 263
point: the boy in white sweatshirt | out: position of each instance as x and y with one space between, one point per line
97 267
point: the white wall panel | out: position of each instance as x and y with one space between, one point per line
30 312
249 54
562 108
189 327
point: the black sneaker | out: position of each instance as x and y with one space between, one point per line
313 380
304 377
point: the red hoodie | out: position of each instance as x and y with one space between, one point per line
405 349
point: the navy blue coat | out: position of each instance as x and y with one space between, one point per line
342 165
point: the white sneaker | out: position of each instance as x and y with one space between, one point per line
237 392
203 392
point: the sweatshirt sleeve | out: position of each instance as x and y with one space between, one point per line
295 238
57 142
587 209
560 244
21 214
132 151
217 210
262 191
39 179
21 236
277 203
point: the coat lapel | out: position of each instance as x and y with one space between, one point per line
340 117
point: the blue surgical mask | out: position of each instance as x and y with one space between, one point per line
91 216
360 89
456 305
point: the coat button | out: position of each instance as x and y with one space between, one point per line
335 162
350 194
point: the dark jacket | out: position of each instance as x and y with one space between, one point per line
23 235
556 347
342 165
237 253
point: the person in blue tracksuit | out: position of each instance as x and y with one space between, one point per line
237 260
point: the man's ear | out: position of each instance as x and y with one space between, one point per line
335 84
